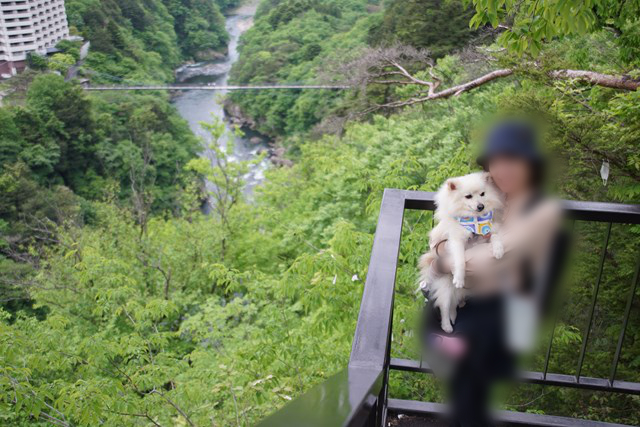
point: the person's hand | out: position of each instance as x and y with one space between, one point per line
452 346
442 265
441 247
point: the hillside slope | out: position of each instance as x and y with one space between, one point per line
143 40
296 41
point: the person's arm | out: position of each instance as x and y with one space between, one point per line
527 232
530 232
440 263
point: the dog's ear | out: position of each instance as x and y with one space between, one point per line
487 177
452 184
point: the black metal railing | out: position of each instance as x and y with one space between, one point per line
358 396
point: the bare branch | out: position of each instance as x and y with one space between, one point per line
590 77
446 93
53 419
127 414
373 63
176 407
598 79
392 82
405 73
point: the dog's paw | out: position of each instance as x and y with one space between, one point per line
458 281
453 316
446 326
498 250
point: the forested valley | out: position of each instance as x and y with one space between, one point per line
124 303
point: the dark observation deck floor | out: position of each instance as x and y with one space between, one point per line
404 420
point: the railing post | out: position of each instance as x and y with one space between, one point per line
372 338
373 330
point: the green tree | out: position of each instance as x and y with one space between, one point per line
296 41
529 23
70 47
61 62
440 26
11 143
37 61
65 111
224 180
200 27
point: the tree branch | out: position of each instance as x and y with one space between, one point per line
446 93
620 82
176 407
598 79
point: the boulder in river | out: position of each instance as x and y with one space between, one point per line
278 159
237 117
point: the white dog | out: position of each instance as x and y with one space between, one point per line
467 210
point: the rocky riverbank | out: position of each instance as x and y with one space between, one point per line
235 115
193 70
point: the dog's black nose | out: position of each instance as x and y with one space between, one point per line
480 207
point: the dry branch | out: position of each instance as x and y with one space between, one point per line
455 90
400 65
620 82
598 79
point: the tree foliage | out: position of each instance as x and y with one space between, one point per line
440 26
199 26
530 23
147 39
169 326
289 42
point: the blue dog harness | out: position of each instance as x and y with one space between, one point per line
480 225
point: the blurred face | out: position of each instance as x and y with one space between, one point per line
510 174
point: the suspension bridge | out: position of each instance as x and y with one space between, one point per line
213 87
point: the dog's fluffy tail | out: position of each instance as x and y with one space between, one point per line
424 265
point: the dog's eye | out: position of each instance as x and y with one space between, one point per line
468 196
482 194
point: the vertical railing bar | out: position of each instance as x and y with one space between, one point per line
593 302
421 349
382 401
546 359
387 362
555 323
625 321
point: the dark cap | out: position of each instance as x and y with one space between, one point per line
513 139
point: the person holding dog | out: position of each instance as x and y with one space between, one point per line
506 294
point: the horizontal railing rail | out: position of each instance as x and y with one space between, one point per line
576 210
560 380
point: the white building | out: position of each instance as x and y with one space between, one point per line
29 26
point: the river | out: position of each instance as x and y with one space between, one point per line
198 106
